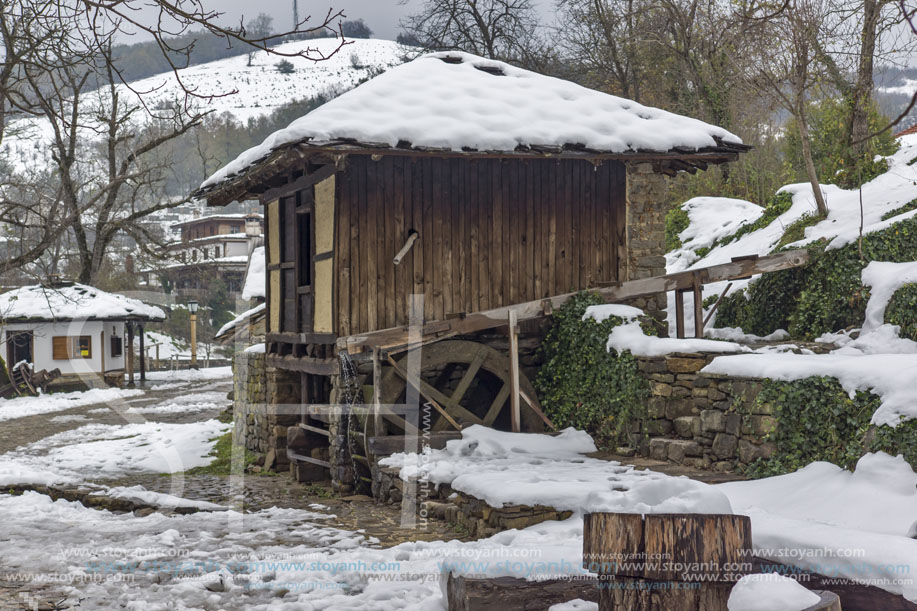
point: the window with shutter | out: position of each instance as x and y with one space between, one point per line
65 347
59 348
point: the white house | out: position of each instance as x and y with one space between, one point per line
76 328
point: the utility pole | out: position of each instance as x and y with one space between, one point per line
295 15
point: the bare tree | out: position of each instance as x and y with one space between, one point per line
608 39
785 69
58 53
497 29
262 27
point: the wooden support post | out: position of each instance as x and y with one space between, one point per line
698 307
514 371
130 352
377 390
680 314
142 356
717 304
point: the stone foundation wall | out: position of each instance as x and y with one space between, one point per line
645 236
261 399
706 421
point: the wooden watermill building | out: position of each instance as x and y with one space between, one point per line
471 183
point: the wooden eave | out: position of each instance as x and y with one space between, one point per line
265 173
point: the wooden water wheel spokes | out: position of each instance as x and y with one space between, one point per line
462 382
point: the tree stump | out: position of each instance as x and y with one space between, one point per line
676 562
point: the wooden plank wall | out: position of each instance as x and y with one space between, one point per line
492 232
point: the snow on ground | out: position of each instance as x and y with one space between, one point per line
189 375
157 499
530 469
577 604
856 525
770 592
21 407
714 218
195 402
459 105
881 195
735 334
109 451
851 525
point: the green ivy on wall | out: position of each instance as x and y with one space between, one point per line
902 311
817 420
583 384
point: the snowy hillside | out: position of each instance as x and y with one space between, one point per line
713 220
259 88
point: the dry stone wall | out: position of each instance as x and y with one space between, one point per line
263 407
645 235
706 421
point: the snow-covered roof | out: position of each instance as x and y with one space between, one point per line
254 276
454 101
72 302
234 216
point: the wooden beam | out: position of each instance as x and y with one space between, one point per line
396 337
717 304
303 182
501 593
314 429
304 364
390 444
515 415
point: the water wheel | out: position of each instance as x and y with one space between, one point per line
461 383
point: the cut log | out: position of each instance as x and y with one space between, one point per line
505 593
668 547
677 562
629 594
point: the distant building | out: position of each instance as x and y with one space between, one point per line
210 247
78 329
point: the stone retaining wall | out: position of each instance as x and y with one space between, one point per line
707 421
463 511
261 399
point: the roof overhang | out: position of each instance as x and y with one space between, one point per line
272 170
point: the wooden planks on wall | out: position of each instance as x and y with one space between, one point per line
492 232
